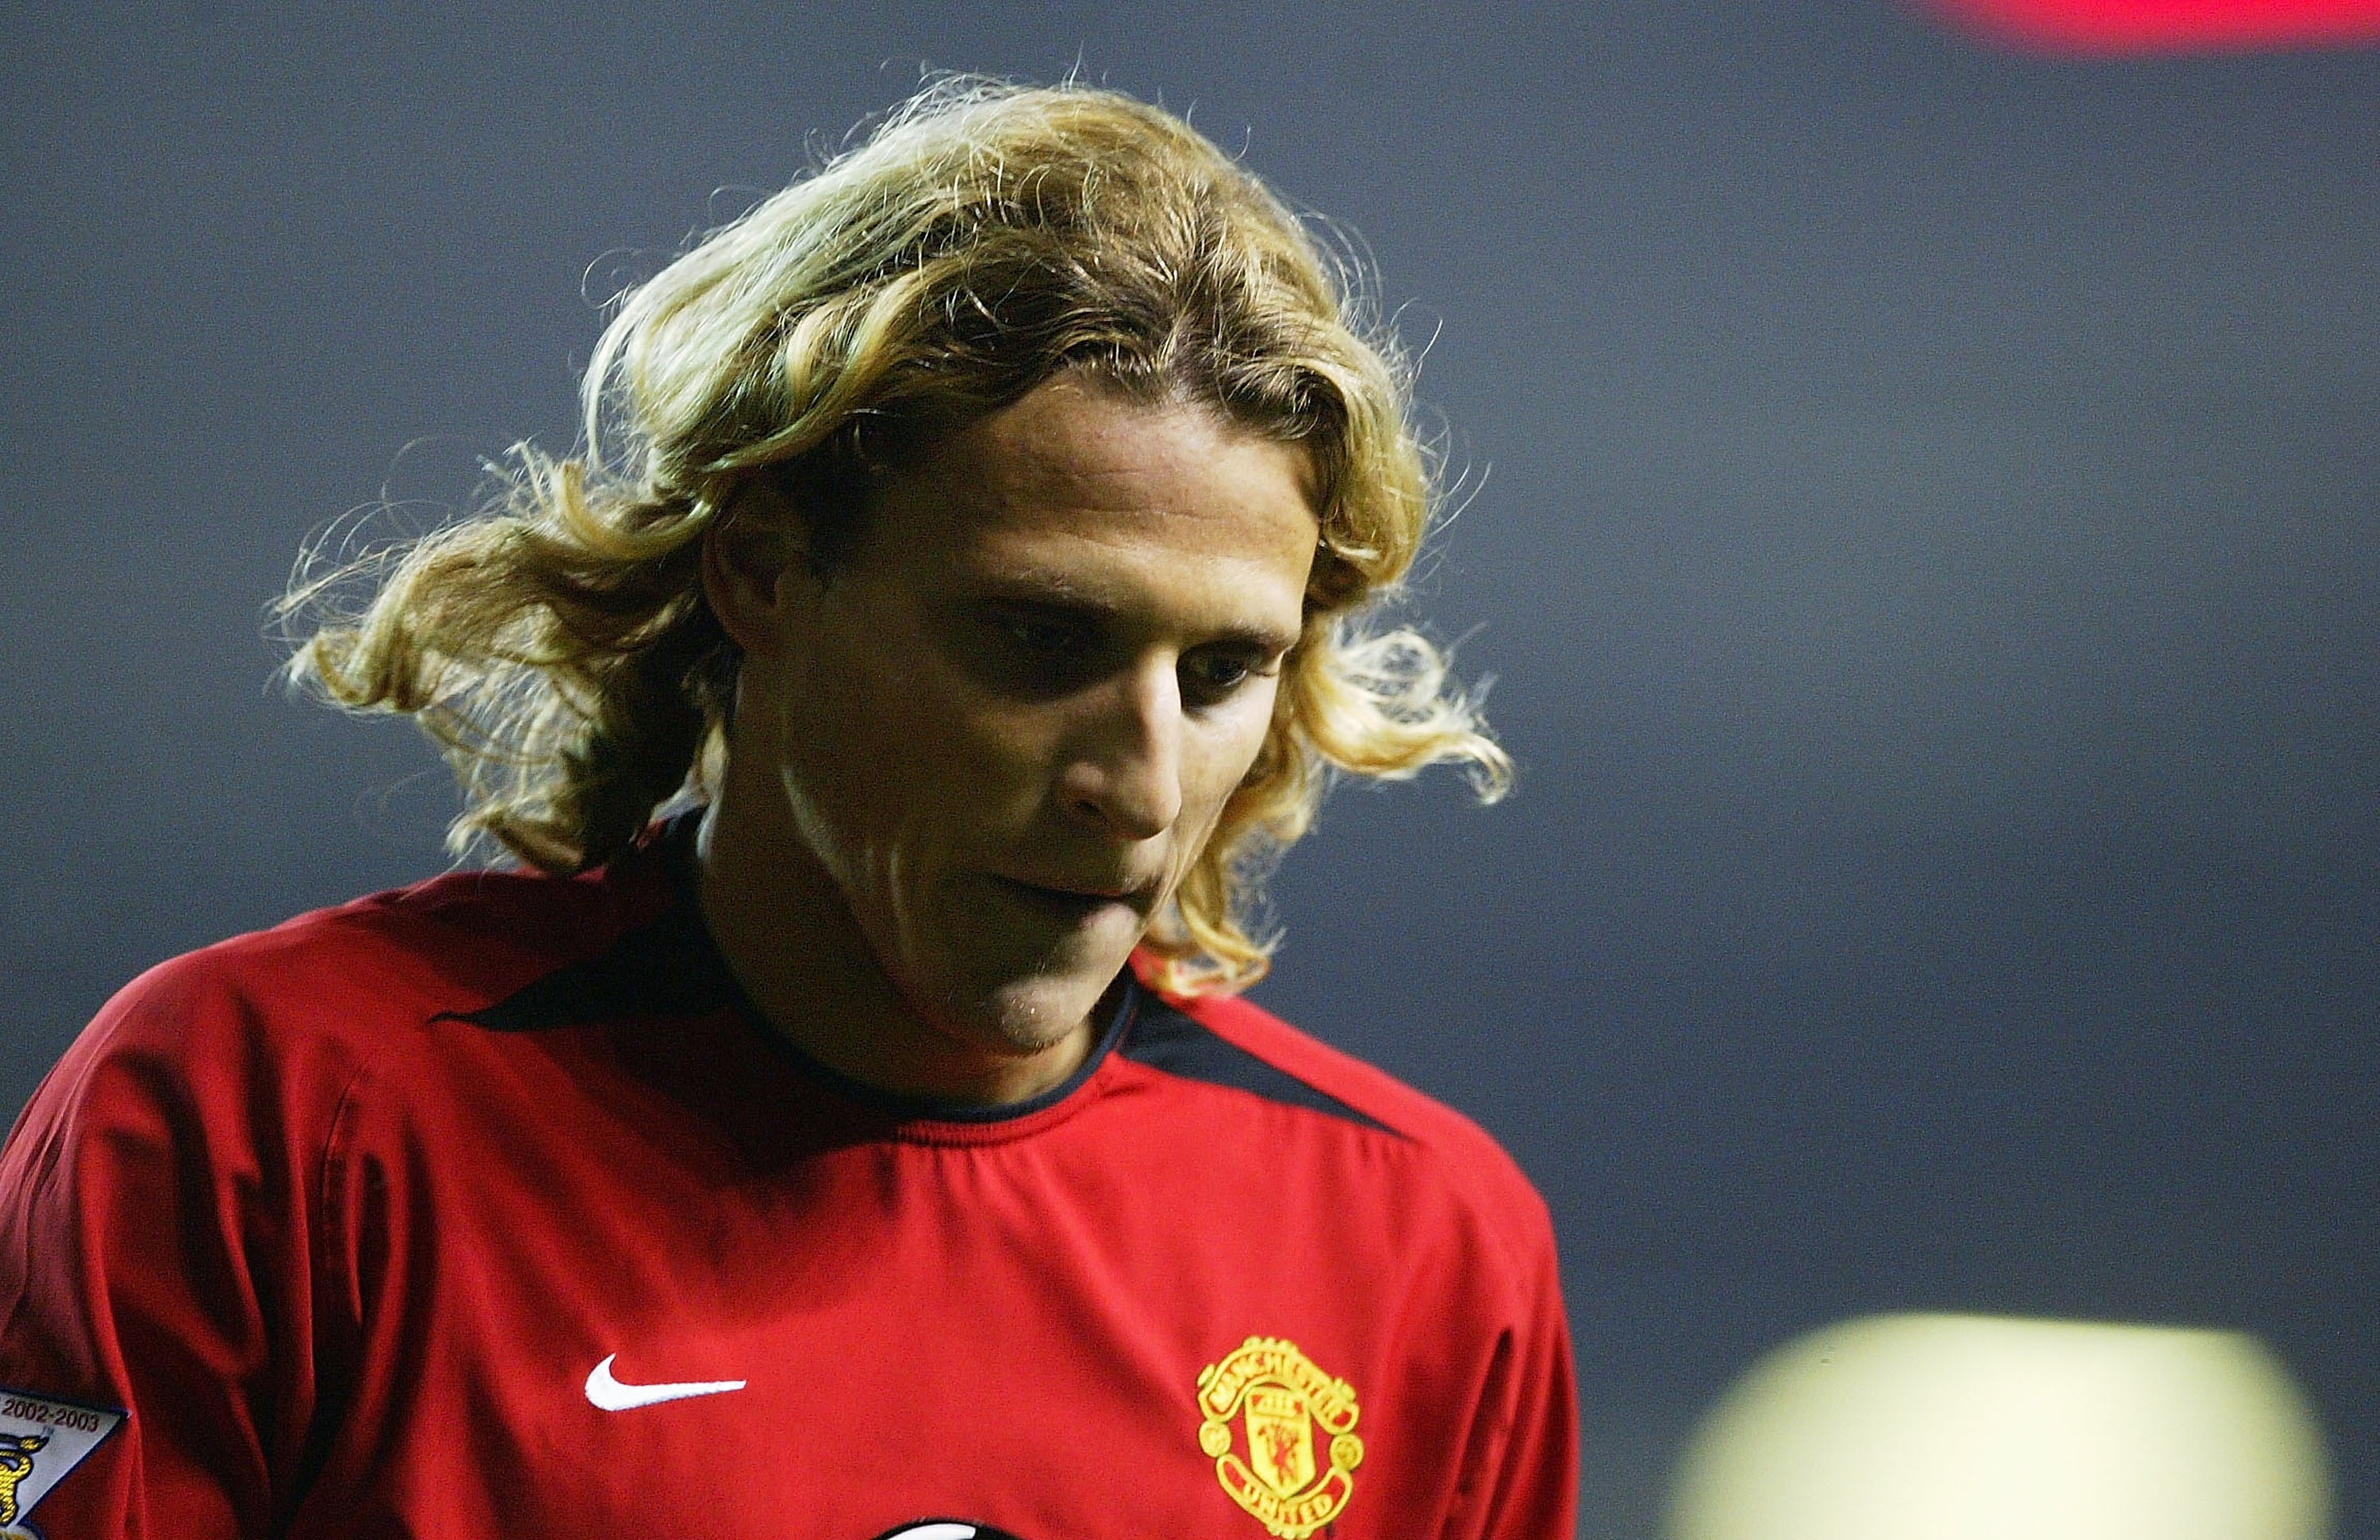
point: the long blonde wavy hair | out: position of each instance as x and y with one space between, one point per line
982 239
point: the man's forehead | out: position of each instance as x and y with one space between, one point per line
1077 435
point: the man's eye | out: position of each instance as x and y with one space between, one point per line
1047 638
1212 676
1032 655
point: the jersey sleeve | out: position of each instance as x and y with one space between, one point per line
158 1199
1527 1486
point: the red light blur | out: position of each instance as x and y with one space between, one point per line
2115 28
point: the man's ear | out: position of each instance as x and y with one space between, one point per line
755 567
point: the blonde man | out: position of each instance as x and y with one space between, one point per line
842 1125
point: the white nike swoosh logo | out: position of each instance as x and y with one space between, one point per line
612 1396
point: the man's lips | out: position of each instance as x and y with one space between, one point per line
1080 901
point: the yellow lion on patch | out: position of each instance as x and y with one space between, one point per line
15 1464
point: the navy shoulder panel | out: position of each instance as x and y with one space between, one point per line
667 968
1165 1038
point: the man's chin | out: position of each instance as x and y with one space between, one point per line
1025 1017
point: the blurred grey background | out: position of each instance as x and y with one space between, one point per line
1923 534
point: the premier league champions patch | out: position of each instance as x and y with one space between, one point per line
41 1440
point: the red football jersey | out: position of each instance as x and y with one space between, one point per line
491 1209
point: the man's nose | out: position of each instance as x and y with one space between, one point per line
1124 776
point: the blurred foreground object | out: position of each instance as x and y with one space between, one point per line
1969 1428
2110 28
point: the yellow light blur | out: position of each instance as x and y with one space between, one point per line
1973 1427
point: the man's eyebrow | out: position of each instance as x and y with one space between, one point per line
1059 598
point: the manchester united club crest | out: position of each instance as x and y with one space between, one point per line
1282 1435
